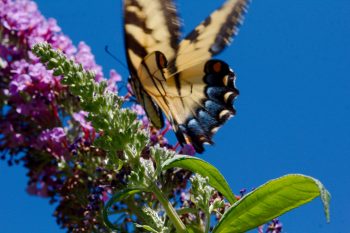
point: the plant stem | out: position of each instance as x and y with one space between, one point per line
171 212
207 222
186 211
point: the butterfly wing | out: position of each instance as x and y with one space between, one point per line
196 94
202 105
151 108
149 26
210 37
205 89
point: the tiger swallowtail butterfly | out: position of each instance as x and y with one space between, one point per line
178 77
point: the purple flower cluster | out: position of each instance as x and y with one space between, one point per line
21 20
274 227
41 123
30 94
55 142
43 126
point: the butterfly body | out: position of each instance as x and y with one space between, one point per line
180 79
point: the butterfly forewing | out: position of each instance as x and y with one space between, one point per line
211 36
149 25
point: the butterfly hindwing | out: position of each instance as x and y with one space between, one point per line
214 102
152 110
204 102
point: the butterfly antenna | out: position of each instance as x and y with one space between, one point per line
115 58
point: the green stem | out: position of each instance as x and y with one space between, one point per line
186 211
207 220
171 212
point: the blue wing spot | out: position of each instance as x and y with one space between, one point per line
194 126
214 109
207 121
197 135
216 93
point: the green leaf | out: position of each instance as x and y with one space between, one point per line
193 228
116 197
196 165
271 200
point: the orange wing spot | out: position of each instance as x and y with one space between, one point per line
217 67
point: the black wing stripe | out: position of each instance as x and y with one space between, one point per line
230 28
173 23
135 3
131 18
137 48
178 87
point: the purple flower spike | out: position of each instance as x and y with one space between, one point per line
19 16
42 122
80 117
138 109
87 59
274 227
114 78
54 141
19 83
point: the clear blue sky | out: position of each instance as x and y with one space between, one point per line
292 59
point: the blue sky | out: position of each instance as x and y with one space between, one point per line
293 114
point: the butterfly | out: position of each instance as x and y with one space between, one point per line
178 77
